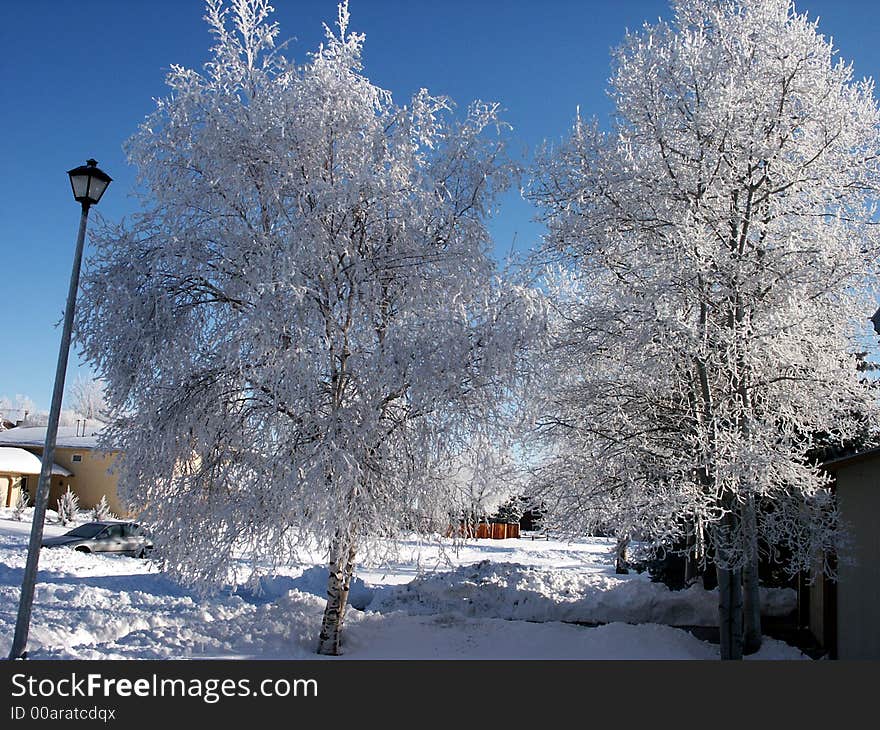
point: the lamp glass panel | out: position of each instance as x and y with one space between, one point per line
96 189
80 185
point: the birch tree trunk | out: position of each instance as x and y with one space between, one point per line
730 602
751 594
691 564
338 587
620 566
730 612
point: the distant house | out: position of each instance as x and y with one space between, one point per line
844 615
79 463
19 471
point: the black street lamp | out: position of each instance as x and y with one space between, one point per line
88 183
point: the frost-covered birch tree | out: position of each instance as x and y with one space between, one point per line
87 398
21 408
305 319
722 250
482 479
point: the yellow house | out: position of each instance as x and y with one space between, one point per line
19 470
79 463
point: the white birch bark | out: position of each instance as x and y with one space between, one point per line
341 570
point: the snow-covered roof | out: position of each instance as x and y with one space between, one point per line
73 437
18 461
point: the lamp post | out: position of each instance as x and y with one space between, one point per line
88 183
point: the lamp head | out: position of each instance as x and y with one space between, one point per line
88 182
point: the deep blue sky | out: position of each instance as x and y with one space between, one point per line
78 77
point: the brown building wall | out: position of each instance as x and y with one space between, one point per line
817 607
858 585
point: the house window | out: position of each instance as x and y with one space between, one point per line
77 457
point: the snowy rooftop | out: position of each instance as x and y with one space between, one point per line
18 461
68 436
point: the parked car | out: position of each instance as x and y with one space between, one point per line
127 538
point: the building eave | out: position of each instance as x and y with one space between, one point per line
834 464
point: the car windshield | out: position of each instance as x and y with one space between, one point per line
89 530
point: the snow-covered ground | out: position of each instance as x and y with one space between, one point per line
491 599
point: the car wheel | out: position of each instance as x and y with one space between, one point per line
82 549
142 553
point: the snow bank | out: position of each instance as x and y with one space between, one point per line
312 580
116 607
524 592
